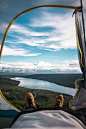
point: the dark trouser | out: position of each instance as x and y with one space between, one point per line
81 113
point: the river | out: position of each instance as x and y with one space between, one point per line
40 84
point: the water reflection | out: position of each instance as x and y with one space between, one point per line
40 84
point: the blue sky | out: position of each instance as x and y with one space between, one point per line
42 40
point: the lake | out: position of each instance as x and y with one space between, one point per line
40 84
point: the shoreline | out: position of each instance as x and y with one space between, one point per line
16 94
66 80
51 86
50 82
42 80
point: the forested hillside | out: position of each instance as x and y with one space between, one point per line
16 94
60 79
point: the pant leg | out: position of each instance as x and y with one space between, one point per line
30 108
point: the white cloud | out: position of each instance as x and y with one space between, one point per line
62 35
24 31
71 61
39 67
17 52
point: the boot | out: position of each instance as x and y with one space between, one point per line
58 101
30 100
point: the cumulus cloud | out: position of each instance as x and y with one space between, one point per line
39 67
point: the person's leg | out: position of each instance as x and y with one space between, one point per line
80 114
30 106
